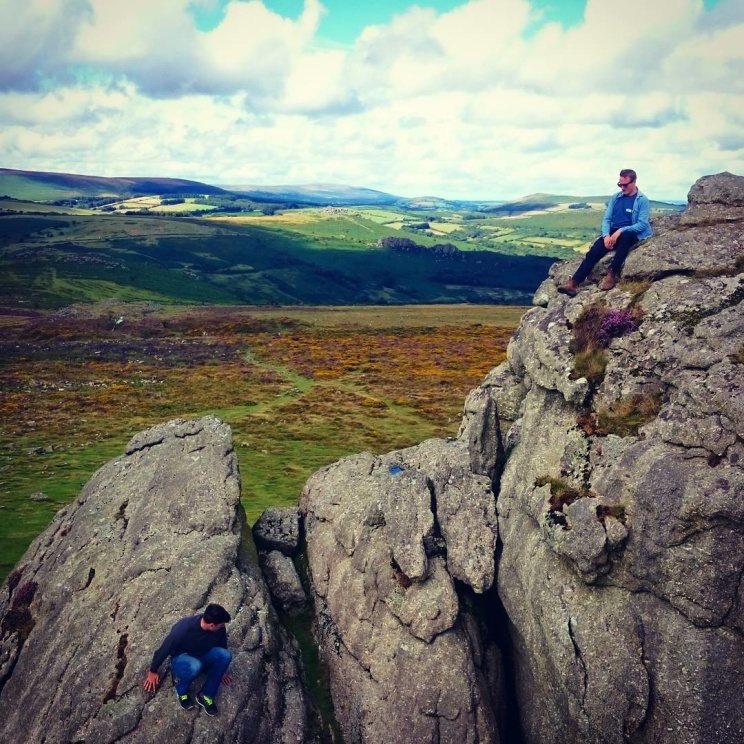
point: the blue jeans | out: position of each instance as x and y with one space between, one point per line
214 664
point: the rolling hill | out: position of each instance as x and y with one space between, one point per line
52 260
69 238
320 193
540 202
43 186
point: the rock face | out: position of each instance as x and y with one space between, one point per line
621 497
154 536
387 540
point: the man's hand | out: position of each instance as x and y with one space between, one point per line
610 240
226 679
151 682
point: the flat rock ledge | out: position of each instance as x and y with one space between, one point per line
155 535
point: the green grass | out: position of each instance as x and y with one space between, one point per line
59 475
21 187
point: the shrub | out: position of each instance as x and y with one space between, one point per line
586 328
561 493
627 416
614 324
592 333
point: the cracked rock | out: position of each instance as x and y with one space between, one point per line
154 536
404 666
626 606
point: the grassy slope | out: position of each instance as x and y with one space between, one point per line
23 187
40 185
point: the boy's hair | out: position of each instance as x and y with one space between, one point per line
215 613
628 173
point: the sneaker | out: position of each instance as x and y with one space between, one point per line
186 701
208 704
570 288
609 281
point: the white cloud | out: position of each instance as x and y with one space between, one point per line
459 104
35 37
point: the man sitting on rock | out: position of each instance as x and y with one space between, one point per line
625 222
195 644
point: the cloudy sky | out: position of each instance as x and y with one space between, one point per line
484 99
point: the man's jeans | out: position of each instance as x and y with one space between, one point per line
622 247
214 664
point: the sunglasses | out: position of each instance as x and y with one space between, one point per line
624 185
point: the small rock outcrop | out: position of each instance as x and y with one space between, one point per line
388 540
620 490
277 536
278 529
155 535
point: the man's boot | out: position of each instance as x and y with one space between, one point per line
570 288
609 281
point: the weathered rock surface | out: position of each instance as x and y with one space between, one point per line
278 529
154 536
620 549
626 602
283 581
387 538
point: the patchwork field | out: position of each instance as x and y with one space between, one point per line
317 256
301 387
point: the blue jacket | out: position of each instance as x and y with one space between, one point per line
641 209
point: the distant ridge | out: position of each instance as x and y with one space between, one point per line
42 185
540 202
49 186
316 193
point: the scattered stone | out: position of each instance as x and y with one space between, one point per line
278 529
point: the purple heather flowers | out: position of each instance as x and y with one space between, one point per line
614 324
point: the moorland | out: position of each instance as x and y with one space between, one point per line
301 387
